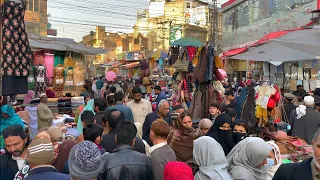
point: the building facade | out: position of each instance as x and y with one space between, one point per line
36 17
166 21
116 43
246 21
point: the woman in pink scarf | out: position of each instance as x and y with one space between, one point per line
28 97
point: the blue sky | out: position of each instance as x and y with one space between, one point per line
76 18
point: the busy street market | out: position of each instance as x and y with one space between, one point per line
160 90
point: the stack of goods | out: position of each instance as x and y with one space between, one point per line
64 106
292 148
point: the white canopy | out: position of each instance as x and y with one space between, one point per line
307 41
274 53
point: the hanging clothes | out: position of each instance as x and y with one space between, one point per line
40 76
191 52
38 58
49 62
68 62
58 59
16 53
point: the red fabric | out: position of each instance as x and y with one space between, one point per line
272 35
191 52
233 52
50 93
177 171
228 3
271 103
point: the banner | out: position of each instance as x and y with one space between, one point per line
175 34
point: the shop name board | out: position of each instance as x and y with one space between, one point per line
52 32
134 56
197 16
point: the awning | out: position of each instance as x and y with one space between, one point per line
268 37
233 52
130 65
112 64
307 41
62 44
274 53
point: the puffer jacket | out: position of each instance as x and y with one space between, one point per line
127 164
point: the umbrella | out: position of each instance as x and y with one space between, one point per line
187 42
307 41
159 54
274 53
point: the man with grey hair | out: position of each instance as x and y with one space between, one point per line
307 169
162 113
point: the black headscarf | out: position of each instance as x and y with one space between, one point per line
223 137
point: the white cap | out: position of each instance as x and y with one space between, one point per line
42 94
308 100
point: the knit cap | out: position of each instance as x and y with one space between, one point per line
55 133
85 160
40 151
73 133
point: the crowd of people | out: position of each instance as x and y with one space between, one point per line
118 136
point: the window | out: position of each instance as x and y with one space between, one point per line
33 5
136 40
188 4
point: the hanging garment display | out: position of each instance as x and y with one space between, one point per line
245 105
265 92
16 53
58 58
68 62
38 58
40 76
69 82
210 66
59 80
201 67
49 62
173 55
79 74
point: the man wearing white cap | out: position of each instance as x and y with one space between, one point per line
44 113
307 120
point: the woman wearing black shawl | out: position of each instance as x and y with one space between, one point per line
221 131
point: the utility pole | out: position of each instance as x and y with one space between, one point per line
213 17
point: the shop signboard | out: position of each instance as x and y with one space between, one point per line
175 33
197 16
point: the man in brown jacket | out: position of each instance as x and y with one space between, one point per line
44 113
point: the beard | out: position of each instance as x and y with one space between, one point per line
17 153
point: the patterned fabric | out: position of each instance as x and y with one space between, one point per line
40 80
16 52
87 156
38 58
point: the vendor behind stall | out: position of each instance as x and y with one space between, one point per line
45 116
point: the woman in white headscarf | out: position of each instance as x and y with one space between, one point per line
248 159
274 160
209 156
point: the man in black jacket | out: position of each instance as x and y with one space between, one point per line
307 170
100 106
125 163
111 119
16 141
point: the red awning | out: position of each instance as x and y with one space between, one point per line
131 65
233 52
272 35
